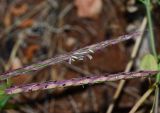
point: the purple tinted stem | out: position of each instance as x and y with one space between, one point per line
76 54
78 81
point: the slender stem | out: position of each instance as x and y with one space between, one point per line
153 48
142 99
78 81
72 56
150 26
129 66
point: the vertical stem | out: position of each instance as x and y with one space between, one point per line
152 44
150 26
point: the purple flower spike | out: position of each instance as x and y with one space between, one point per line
78 81
72 56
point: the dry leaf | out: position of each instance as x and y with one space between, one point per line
17 11
7 19
88 8
30 51
16 63
26 23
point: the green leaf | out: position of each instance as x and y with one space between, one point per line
158 76
143 1
149 63
3 97
158 57
158 1
3 100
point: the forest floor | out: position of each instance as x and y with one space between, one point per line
32 31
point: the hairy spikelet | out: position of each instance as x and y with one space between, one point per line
70 57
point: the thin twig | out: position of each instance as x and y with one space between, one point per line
73 104
72 56
129 66
142 99
13 53
78 81
111 84
26 16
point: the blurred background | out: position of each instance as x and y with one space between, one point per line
35 30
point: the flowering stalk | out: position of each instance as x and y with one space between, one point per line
72 56
78 81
